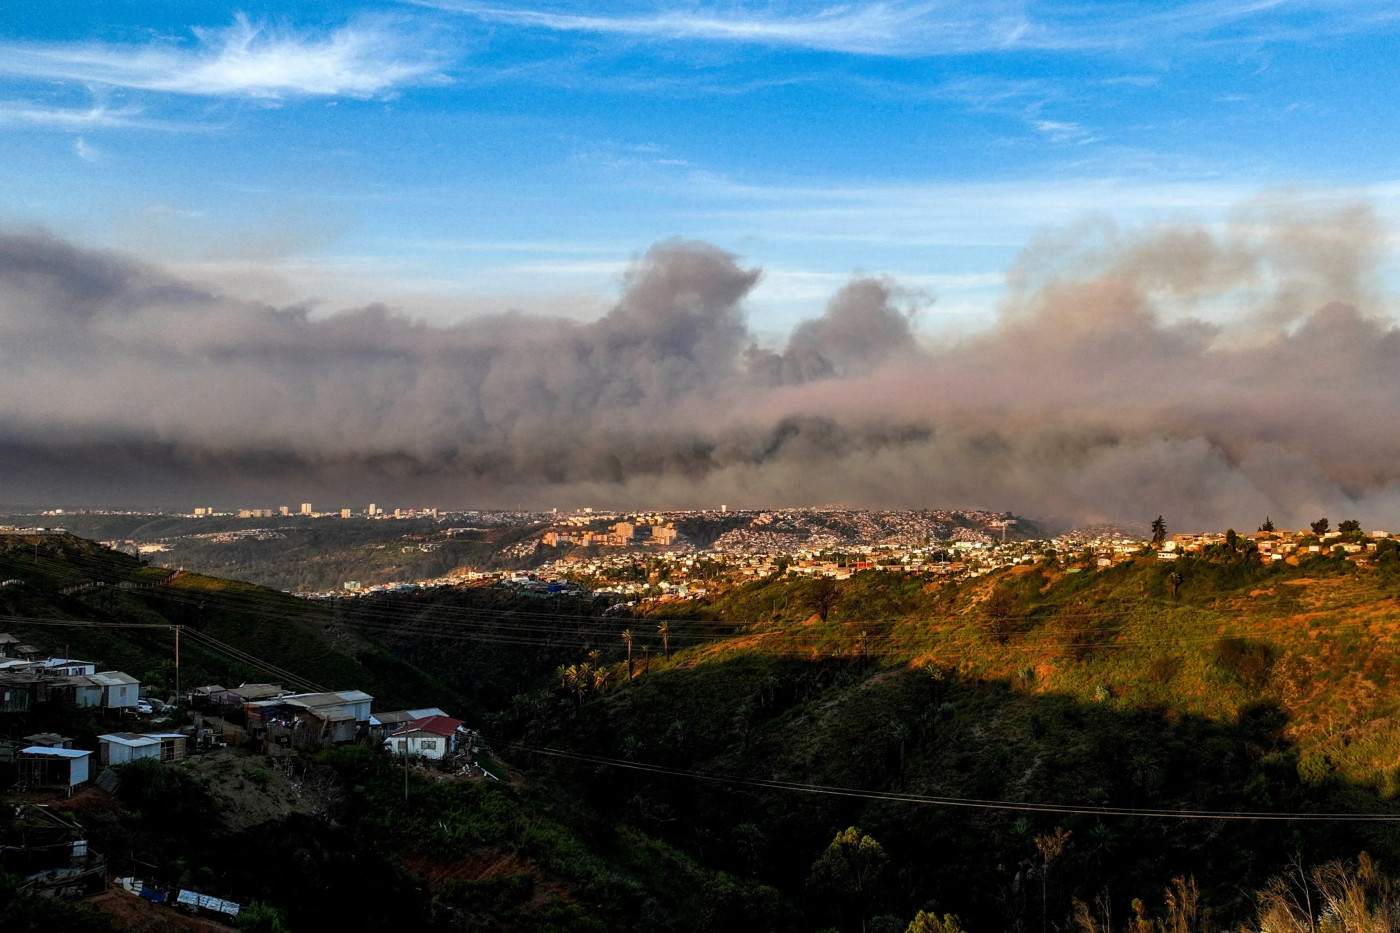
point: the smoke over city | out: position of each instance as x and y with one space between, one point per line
1213 375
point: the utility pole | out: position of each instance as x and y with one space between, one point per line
177 664
405 768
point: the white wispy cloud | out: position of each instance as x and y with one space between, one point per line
937 27
885 28
245 59
34 115
86 151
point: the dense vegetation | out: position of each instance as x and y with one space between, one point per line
301 555
666 799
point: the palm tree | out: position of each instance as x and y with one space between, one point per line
582 681
627 639
665 631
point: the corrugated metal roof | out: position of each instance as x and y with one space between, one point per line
257 691
54 752
113 678
128 738
437 725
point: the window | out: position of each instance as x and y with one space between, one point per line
428 745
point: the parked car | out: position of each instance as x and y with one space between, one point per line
144 707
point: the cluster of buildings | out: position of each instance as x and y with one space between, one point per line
28 680
283 721
1280 545
31 683
280 720
306 510
621 534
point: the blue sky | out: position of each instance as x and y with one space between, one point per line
451 157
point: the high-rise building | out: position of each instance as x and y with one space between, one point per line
306 508
284 510
344 513
371 511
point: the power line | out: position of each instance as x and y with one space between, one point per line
961 802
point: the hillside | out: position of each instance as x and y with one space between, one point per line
453 855
1127 712
1236 686
121 612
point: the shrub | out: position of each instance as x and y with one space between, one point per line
1249 662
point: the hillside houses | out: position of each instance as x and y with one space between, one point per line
29 682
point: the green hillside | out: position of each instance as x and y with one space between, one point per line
1099 727
132 629
1232 686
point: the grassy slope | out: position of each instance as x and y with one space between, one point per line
1254 688
294 634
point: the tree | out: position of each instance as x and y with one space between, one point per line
1350 526
627 639
848 873
664 631
1174 581
1159 532
1268 525
1320 526
931 923
822 597
899 734
1049 847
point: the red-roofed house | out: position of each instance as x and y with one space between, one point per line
430 737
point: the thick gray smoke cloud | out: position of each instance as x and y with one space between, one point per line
1212 376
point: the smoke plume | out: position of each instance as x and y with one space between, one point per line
1213 376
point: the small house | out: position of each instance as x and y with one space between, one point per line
120 691
17 692
119 748
432 737
48 740
75 690
64 667
382 725
42 766
244 694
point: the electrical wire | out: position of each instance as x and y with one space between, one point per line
959 802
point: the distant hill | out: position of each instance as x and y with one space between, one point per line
69 596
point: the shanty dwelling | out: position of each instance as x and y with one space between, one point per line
203 697
119 748
309 719
382 725
49 853
120 692
75 690
17 693
432 737
40 766
8 643
353 703
48 740
64 667
244 694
